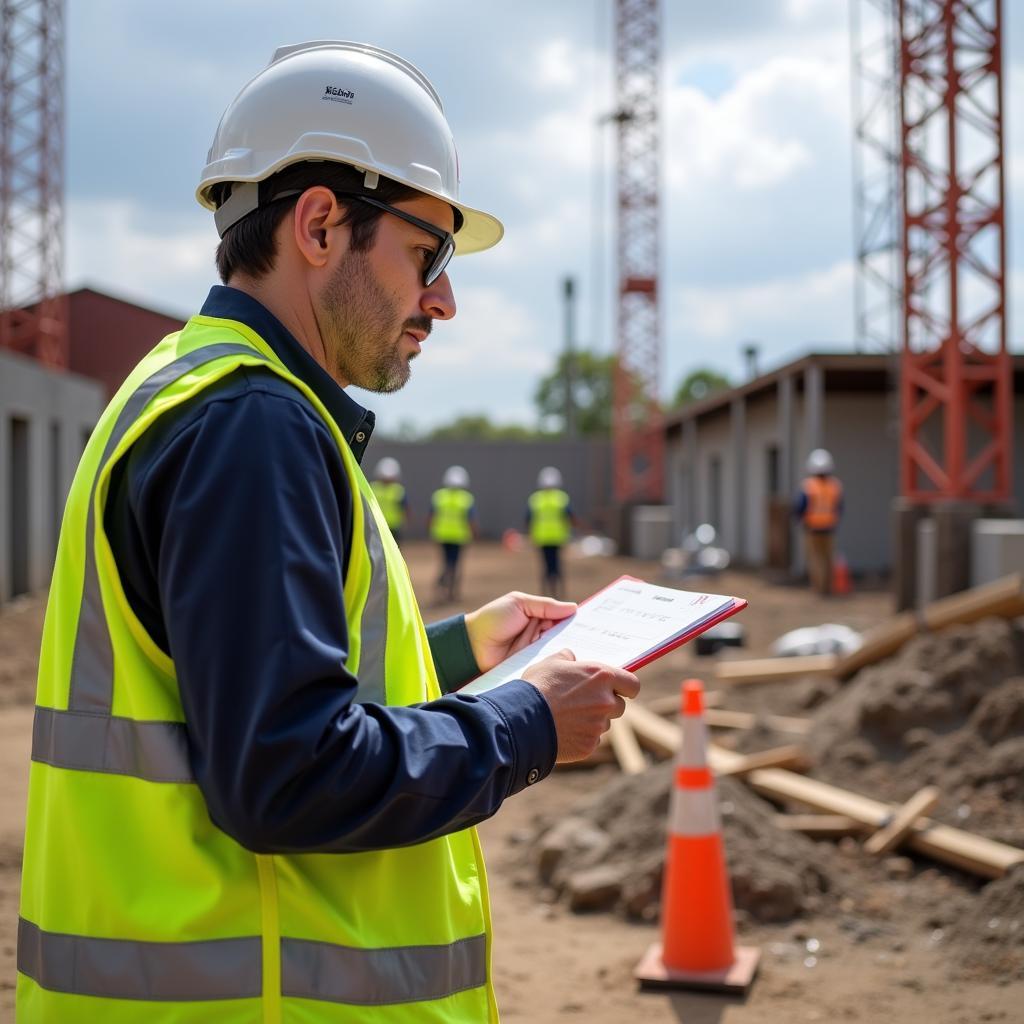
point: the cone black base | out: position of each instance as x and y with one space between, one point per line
653 974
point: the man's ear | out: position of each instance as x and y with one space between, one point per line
316 227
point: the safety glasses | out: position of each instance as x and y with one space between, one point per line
446 243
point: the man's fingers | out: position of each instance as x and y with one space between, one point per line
619 708
626 684
537 607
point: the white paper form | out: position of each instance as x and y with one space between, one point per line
619 626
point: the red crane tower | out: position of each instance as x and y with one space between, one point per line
637 436
32 306
956 379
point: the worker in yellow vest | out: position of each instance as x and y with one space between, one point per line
254 782
453 526
390 494
819 506
549 522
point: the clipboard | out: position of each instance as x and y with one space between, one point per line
593 640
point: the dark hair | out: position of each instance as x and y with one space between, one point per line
249 246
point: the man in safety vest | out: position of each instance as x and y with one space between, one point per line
254 782
818 507
390 495
453 526
549 521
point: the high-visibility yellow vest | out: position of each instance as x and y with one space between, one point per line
391 497
449 523
134 905
549 517
823 496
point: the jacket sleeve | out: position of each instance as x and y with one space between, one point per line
453 656
242 512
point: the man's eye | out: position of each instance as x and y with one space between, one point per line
426 255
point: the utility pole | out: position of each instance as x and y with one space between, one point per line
569 294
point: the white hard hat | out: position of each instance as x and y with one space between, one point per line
549 476
819 462
388 469
456 476
348 102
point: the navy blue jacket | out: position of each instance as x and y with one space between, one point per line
230 522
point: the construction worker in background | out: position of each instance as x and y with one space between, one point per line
819 506
253 779
550 521
453 526
390 494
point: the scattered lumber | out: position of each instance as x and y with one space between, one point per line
657 734
984 857
720 718
889 837
1003 597
771 670
627 750
820 826
778 757
670 705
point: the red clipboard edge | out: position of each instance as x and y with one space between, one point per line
737 606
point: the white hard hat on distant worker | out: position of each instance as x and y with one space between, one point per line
549 477
819 462
347 102
388 469
456 476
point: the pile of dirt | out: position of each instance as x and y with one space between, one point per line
989 931
609 853
948 711
21 624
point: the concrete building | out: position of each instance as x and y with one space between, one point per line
736 458
107 336
45 419
502 475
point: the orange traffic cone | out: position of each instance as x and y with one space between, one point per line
841 576
697 949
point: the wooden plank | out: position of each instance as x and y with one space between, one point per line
719 718
777 757
1004 598
670 705
889 837
657 734
819 826
984 857
623 741
770 670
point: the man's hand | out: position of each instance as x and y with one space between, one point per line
511 623
584 696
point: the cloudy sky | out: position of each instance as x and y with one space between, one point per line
757 198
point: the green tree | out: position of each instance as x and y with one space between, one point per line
592 394
699 384
477 427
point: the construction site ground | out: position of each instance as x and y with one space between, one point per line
850 939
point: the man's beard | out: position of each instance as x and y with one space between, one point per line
364 328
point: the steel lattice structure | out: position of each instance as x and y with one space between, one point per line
637 438
878 286
32 306
956 383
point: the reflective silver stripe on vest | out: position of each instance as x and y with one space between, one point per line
379 977
155 751
232 968
120 969
92 664
374 623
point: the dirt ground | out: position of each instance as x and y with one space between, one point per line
902 939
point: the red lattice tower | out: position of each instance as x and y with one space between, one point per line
956 381
637 436
32 306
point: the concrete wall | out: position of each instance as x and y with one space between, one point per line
864 441
502 476
45 419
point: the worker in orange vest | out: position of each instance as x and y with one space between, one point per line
819 506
